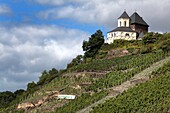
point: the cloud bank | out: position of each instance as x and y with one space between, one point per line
106 12
26 50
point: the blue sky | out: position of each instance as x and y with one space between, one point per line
38 35
22 12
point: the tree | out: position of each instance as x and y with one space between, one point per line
92 46
53 72
47 77
76 61
43 78
19 92
6 98
31 85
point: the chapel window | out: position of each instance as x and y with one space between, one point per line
127 34
125 23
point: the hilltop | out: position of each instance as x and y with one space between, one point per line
95 76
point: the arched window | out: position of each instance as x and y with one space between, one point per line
114 34
127 34
125 23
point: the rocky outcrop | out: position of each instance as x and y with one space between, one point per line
76 87
27 105
117 53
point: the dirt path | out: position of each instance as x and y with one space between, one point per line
138 78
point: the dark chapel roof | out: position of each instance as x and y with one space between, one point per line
136 19
124 15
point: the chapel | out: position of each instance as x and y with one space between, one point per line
129 28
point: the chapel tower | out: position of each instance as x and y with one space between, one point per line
124 20
128 28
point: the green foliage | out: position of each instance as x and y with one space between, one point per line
150 42
106 46
62 71
124 71
92 46
155 41
46 77
152 97
31 85
6 98
163 37
101 54
76 61
101 65
19 92
53 72
165 45
81 102
114 63
162 70
146 49
131 50
121 69
150 38
42 78
120 43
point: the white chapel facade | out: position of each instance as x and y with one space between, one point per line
129 28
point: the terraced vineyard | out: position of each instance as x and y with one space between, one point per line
123 72
120 70
114 78
101 65
130 65
152 96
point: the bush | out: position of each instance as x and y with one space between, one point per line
101 54
120 43
150 38
106 46
165 45
146 49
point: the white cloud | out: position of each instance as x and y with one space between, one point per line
89 12
59 2
4 9
106 12
25 51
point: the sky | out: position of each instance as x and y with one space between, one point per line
37 35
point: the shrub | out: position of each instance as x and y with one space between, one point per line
165 45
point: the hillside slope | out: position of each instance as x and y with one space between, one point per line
112 70
138 78
152 96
